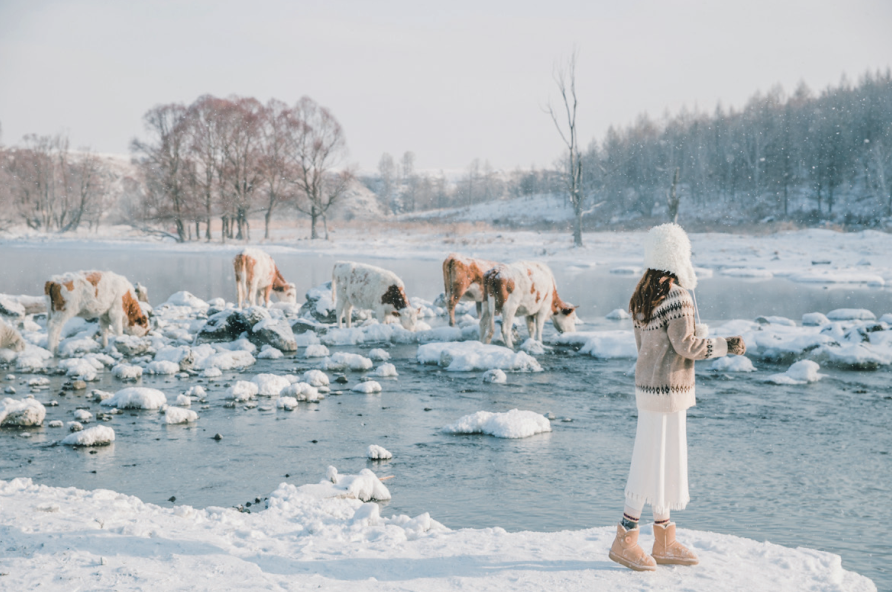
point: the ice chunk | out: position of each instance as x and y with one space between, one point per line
127 372
316 350
468 356
369 387
385 370
513 424
343 361
242 390
802 372
96 436
270 385
376 452
176 415
136 397
495 376
21 412
379 355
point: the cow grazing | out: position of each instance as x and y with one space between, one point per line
463 280
256 276
370 287
10 338
142 293
101 295
524 288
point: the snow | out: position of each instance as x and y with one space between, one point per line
748 272
618 314
376 452
495 376
301 391
316 350
602 344
379 355
344 361
79 369
851 314
287 403
238 359
268 352
365 486
96 436
177 415
32 359
512 424
136 397
369 387
211 373
270 385
801 372
732 364
315 378
186 299
468 356
242 390
100 396
814 319
21 412
83 416
162 367
385 370
77 346
183 401
533 347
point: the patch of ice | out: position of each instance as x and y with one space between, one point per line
376 452
136 397
177 415
513 424
370 387
96 436
468 356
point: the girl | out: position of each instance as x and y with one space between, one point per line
668 341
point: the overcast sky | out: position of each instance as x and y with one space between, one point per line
450 81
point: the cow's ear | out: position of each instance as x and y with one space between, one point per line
568 310
419 310
395 313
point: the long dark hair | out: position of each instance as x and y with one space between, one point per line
651 290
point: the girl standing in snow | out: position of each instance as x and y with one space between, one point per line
668 341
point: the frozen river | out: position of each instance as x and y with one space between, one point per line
797 465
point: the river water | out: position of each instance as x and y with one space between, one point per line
795 465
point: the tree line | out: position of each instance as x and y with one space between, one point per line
228 157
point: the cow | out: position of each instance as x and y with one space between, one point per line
256 275
463 280
370 287
101 295
10 338
524 288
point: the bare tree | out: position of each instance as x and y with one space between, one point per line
241 120
672 199
204 148
388 192
565 78
277 166
319 147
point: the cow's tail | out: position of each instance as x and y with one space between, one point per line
488 316
240 266
334 285
447 274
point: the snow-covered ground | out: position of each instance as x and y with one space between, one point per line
322 537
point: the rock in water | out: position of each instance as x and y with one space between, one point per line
223 326
274 332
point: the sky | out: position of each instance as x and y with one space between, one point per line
449 81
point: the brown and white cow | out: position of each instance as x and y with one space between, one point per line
256 276
528 289
463 280
369 287
10 338
101 295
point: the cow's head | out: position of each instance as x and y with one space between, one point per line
286 292
408 317
135 321
565 318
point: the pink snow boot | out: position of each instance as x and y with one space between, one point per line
668 551
626 551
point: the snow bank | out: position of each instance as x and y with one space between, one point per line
136 397
314 536
376 452
96 436
21 413
468 356
513 424
175 415
370 387
801 372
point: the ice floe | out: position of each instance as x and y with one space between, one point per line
511 424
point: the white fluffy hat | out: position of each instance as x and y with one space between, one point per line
667 248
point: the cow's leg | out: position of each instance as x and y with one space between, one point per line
55 321
104 324
348 311
452 300
266 294
507 325
240 288
479 309
252 294
540 324
487 322
531 325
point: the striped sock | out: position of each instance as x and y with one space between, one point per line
661 522
629 522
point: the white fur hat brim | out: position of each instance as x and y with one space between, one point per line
667 248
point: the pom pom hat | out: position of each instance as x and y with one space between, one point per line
667 248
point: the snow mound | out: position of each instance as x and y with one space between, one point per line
183 401
365 486
268 352
513 424
376 452
286 403
386 370
301 391
732 364
136 397
601 344
270 385
814 319
618 314
238 359
495 376
79 369
533 347
96 436
369 387
851 314
242 390
83 416
801 372
346 361
468 356
315 378
21 412
32 359
379 355
186 299
176 415
162 367
316 350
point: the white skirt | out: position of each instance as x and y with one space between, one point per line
659 472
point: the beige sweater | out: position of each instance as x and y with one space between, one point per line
667 348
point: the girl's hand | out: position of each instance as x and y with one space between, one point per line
736 346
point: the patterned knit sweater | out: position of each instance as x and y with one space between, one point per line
667 348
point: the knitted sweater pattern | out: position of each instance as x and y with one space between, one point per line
667 348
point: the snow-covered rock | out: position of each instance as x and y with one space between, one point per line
732 364
286 403
83 416
346 361
379 355
512 424
316 350
268 352
270 385
301 391
618 314
79 369
21 412
96 436
369 387
130 345
814 319
376 452
533 347
242 390
162 367
183 401
316 378
851 314
365 486
275 332
32 359
177 415
125 371
601 344
802 372
495 376
186 299
385 370
468 356
136 397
